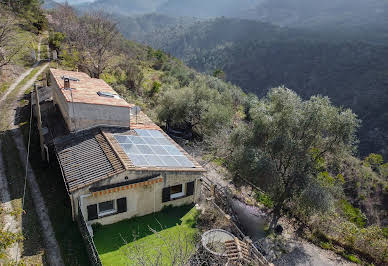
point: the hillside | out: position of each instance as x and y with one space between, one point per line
298 13
299 152
258 56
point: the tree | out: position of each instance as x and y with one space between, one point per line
8 45
96 42
374 161
196 108
284 146
92 35
135 77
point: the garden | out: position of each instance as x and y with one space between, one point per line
151 238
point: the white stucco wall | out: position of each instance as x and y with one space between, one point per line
79 116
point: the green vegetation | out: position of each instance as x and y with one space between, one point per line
258 56
264 199
4 87
298 149
57 201
115 241
353 258
353 214
30 238
282 159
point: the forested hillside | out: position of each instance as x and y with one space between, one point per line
258 56
299 150
298 13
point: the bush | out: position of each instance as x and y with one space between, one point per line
352 258
264 199
353 214
155 88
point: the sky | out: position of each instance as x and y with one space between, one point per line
74 1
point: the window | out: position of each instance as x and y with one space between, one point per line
177 191
106 207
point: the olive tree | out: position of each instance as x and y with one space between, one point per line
286 140
196 107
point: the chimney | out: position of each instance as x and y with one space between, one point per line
66 83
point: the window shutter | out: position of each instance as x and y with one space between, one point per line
166 194
92 212
190 188
121 205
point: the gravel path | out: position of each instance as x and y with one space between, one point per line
51 244
10 222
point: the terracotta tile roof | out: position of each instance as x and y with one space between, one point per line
85 158
85 90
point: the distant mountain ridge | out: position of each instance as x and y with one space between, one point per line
295 13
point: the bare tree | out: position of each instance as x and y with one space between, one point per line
92 36
178 248
8 45
96 41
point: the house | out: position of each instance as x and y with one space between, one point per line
115 162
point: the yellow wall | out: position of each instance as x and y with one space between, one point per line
140 200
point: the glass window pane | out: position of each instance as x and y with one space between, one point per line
106 206
176 189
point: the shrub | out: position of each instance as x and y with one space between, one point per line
155 88
353 214
352 258
264 199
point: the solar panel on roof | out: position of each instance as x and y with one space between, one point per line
172 150
152 148
139 160
154 160
143 132
137 140
170 161
150 140
145 149
120 139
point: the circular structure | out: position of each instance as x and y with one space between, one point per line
214 241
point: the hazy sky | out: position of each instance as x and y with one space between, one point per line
74 1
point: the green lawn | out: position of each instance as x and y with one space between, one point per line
111 240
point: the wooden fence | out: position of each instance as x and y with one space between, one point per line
220 197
